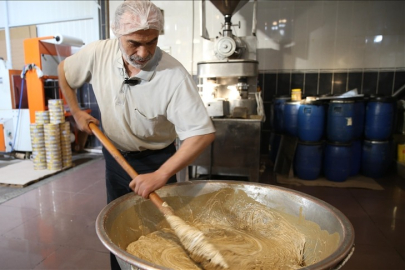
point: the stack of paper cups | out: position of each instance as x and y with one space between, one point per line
42 117
56 111
38 146
52 147
65 144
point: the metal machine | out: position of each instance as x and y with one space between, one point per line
23 92
228 88
228 85
44 58
14 113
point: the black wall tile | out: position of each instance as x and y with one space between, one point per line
370 83
297 81
264 142
270 86
339 83
267 110
385 83
399 80
283 84
260 81
355 81
325 84
311 84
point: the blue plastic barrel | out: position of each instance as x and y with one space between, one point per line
340 120
337 160
311 121
278 114
290 117
274 145
376 158
308 160
379 122
355 164
358 119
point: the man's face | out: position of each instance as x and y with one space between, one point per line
139 47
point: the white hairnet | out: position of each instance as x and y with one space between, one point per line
135 15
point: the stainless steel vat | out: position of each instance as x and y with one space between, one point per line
127 218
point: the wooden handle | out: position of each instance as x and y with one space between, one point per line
124 164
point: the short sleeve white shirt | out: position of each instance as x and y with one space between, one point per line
148 115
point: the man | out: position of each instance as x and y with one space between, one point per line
146 99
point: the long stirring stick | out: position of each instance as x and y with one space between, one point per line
192 239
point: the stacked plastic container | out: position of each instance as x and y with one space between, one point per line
56 111
378 149
38 146
52 146
50 138
310 132
42 117
65 144
338 138
339 133
306 121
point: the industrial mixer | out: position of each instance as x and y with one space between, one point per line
24 92
228 84
228 88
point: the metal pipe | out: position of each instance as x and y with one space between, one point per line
227 32
9 62
254 20
203 29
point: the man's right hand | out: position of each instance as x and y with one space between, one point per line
83 119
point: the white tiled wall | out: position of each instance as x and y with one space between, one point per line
38 12
78 19
331 34
292 35
178 32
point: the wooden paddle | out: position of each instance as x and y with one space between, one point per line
192 239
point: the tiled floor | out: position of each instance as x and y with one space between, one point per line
52 226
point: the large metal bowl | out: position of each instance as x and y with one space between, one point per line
127 218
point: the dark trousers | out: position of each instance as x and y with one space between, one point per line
117 180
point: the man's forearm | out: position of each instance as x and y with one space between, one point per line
68 93
189 150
